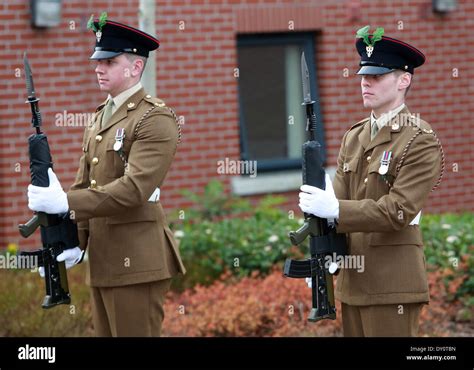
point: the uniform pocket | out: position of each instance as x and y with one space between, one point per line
374 167
411 235
115 167
394 263
147 212
351 165
136 247
381 184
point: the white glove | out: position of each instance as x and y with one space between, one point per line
51 200
321 203
308 281
71 256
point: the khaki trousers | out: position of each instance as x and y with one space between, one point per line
129 311
388 320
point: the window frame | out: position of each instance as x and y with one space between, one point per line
307 42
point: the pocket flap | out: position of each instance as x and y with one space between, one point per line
350 164
375 165
411 235
127 143
146 212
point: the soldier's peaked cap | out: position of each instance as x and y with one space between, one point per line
113 38
387 54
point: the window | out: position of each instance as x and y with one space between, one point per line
272 119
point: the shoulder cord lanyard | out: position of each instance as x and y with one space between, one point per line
405 151
120 152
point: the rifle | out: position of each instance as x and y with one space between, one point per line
58 232
323 239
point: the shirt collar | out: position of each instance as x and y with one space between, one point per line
385 117
124 95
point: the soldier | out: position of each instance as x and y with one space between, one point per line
387 165
127 150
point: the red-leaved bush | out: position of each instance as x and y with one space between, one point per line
278 306
251 306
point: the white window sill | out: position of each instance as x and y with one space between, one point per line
271 182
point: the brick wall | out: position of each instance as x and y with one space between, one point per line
195 75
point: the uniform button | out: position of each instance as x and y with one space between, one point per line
365 180
368 158
98 138
93 183
95 160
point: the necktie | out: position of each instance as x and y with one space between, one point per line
107 112
374 130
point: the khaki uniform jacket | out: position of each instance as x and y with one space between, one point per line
127 237
376 215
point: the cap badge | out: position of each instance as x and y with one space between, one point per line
369 49
102 22
363 33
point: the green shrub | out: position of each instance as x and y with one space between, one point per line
211 244
224 233
21 295
209 247
449 244
447 237
213 203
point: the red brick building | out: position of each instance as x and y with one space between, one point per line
211 52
